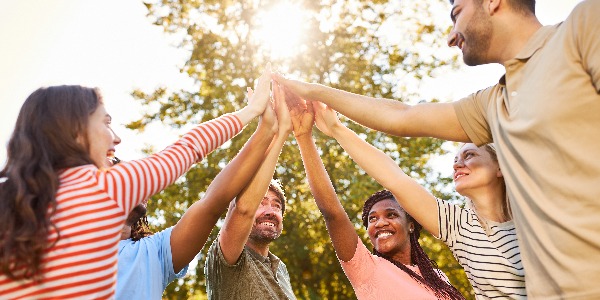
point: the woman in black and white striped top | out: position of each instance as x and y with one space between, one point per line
481 236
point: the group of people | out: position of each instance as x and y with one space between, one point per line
73 217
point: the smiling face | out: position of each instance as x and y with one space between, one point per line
102 139
472 31
268 220
389 229
475 168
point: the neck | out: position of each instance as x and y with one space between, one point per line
402 257
489 203
260 248
514 32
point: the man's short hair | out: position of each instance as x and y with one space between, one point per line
520 6
275 187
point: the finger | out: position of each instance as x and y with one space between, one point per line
250 92
310 108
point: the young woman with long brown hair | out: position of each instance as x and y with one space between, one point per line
62 212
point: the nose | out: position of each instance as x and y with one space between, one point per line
458 164
452 38
116 138
381 222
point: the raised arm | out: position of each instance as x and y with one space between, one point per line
415 199
437 120
342 233
129 183
190 233
240 217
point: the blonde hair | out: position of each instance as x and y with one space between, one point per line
506 210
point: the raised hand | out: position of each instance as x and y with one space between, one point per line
268 118
302 113
302 89
259 100
326 118
281 109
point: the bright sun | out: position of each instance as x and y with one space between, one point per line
281 29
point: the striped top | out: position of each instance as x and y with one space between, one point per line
92 205
492 262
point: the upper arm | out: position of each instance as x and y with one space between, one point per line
585 15
131 182
234 233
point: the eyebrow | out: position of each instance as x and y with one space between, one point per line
386 210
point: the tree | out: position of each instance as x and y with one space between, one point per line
354 52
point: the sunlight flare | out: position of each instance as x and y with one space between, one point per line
281 29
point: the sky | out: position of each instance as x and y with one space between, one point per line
111 44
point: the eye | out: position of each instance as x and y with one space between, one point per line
372 219
392 215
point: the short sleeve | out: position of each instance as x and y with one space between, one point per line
361 266
163 243
449 219
472 116
587 31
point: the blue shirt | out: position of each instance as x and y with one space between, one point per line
145 267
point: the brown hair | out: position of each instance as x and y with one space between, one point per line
429 277
44 141
275 187
520 6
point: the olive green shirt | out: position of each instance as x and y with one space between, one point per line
252 277
544 118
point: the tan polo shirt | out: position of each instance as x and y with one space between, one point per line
544 117
252 277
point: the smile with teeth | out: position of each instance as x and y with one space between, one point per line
267 223
383 234
459 176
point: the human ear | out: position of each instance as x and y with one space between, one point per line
493 6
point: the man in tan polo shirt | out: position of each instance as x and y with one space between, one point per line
544 117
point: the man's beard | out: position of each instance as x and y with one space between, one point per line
264 237
477 38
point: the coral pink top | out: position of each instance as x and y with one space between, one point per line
92 205
373 277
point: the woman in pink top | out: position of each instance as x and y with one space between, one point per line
62 212
398 268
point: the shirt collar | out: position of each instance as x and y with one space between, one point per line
535 43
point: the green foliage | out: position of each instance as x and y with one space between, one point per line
351 55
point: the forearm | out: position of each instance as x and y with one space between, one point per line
318 179
415 199
394 117
250 197
240 217
191 232
376 163
341 230
238 173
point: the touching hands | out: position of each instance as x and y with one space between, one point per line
260 99
302 113
268 119
281 109
326 118
302 89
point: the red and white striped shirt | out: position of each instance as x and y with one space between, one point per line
92 205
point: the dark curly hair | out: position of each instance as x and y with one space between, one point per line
429 277
137 218
44 141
